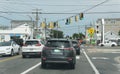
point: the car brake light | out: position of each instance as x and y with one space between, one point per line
38 44
44 58
69 59
44 48
68 48
24 45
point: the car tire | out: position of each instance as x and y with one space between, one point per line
23 56
72 66
43 65
18 51
102 45
78 53
112 45
12 53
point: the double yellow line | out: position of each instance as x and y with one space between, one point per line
10 58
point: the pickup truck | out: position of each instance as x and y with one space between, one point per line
108 43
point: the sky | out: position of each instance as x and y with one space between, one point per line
60 6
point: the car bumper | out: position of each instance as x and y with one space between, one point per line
32 53
5 53
58 60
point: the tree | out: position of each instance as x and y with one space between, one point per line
56 34
78 36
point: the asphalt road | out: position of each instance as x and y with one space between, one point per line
93 60
105 59
18 65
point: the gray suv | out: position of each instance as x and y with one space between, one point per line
58 51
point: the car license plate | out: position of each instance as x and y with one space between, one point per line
57 51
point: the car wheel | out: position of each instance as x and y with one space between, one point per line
12 53
72 66
78 53
43 65
112 45
18 51
102 45
23 56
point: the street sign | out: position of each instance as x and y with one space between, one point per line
91 31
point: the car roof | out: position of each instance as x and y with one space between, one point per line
59 39
33 40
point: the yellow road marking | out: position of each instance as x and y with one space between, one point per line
10 58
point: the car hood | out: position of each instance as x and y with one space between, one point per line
4 47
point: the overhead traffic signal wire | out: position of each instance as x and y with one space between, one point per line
95 6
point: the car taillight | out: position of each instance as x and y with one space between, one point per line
68 48
24 45
69 59
43 58
44 48
38 44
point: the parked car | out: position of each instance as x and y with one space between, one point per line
58 51
32 47
9 48
76 45
19 41
108 43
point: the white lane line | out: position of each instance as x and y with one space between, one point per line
77 57
92 65
100 58
28 70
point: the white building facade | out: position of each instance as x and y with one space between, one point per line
22 31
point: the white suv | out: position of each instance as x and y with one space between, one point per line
108 43
32 47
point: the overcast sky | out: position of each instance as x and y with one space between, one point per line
60 6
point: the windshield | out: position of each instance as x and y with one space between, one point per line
56 43
5 43
31 42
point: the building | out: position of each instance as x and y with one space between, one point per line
22 31
111 28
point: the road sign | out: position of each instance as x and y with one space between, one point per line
91 31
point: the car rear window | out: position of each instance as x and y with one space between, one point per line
31 42
56 43
5 43
74 42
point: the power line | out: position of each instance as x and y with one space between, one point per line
95 6
57 13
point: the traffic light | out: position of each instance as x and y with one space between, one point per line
70 20
55 24
42 24
81 16
67 21
51 25
97 29
76 18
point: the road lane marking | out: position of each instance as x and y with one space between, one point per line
10 58
28 70
77 57
100 58
92 65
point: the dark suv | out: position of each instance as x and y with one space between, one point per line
76 45
58 51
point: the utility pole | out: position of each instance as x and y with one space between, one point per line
45 28
103 38
37 12
37 16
